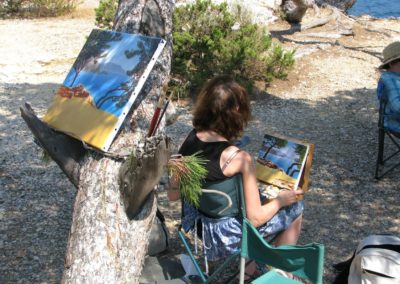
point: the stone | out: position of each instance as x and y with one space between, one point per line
295 10
340 4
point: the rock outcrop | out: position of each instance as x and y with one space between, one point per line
340 4
265 11
294 10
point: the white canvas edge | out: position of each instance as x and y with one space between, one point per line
302 168
134 95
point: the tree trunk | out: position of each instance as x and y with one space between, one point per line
105 245
114 207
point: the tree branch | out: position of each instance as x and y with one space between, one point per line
320 22
63 149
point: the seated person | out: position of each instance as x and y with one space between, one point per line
220 115
389 85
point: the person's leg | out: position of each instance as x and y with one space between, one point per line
289 237
291 234
251 269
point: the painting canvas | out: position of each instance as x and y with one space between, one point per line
283 163
102 85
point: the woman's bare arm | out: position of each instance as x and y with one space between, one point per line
257 213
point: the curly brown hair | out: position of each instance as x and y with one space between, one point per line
222 106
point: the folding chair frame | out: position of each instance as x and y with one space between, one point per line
304 261
203 276
380 170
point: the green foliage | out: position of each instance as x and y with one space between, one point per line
105 13
279 62
178 89
131 160
36 8
209 40
10 7
189 171
46 158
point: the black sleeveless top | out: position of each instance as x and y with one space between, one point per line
213 205
210 151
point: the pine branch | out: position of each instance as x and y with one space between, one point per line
189 171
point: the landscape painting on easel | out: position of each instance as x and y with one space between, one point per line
102 85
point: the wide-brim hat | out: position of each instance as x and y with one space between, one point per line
390 53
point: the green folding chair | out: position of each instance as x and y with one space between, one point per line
216 203
304 261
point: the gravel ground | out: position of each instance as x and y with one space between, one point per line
328 99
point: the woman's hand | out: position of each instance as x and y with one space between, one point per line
288 197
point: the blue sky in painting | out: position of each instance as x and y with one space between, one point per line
284 158
109 72
98 85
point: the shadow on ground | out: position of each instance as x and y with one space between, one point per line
343 205
36 198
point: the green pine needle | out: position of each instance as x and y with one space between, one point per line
46 158
189 172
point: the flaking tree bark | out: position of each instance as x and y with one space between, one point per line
114 207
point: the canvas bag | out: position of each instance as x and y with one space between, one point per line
375 261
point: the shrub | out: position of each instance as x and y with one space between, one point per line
105 13
210 40
36 8
10 7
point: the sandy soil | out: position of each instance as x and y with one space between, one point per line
328 99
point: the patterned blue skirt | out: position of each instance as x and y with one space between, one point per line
221 237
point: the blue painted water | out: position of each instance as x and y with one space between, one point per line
376 8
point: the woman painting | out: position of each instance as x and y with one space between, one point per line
221 113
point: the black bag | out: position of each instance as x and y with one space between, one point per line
159 236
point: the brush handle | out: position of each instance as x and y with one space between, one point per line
154 121
160 117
